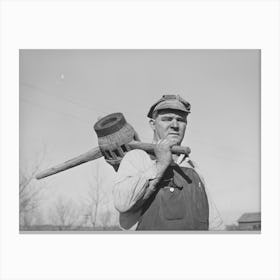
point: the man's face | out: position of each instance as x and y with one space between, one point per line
169 124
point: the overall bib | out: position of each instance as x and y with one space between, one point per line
180 203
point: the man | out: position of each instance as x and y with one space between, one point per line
164 192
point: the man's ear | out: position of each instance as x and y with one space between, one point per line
152 124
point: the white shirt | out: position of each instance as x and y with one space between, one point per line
135 170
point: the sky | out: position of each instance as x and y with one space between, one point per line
62 94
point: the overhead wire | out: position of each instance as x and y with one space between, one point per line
69 100
55 111
98 112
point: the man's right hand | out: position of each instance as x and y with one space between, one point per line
163 160
163 154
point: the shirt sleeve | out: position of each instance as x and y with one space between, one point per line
215 220
132 179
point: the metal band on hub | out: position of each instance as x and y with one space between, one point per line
109 124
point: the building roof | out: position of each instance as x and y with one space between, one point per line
250 217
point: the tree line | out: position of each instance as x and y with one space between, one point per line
64 214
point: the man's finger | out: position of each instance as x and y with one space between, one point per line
172 142
169 142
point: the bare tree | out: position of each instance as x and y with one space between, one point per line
95 197
30 195
105 218
65 214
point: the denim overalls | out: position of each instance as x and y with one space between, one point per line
180 203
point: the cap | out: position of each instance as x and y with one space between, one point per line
170 101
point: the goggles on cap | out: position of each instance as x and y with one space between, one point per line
170 97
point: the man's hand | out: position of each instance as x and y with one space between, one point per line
163 154
164 159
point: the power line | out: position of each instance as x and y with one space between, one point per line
55 111
42 91
100 113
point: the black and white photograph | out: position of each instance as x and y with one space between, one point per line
139 140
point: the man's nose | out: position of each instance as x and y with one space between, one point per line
174 124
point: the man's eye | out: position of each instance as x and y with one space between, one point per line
166 119
181 120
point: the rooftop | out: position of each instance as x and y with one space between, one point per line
250 217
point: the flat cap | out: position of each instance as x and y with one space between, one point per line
170 101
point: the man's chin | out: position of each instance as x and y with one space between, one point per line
175 138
